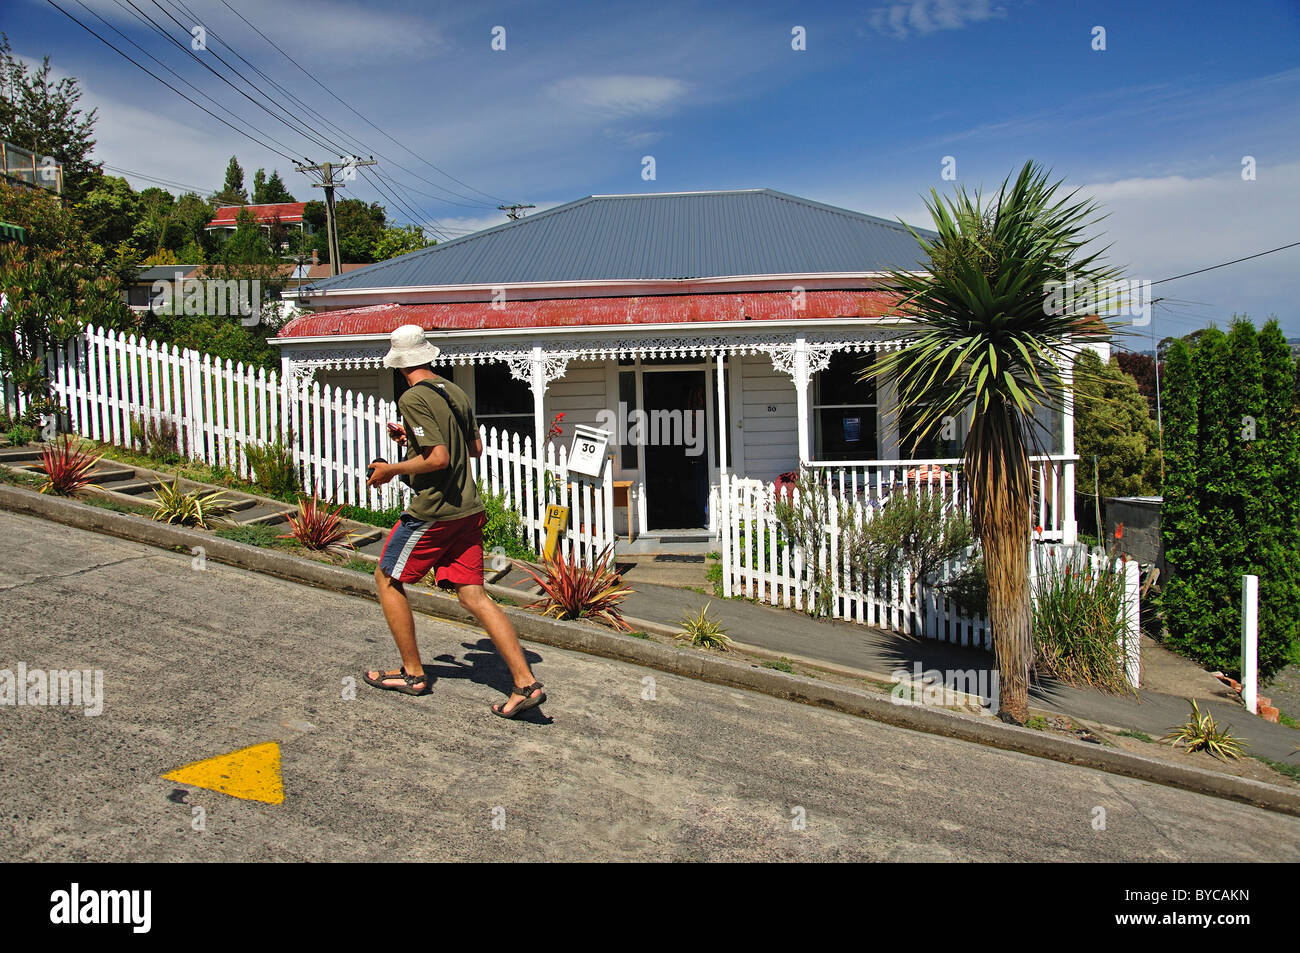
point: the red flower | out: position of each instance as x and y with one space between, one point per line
555 430
1119 531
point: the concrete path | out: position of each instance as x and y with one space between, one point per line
198 662
883 652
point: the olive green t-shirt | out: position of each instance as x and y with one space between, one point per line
449 493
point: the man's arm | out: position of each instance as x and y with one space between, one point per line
429 460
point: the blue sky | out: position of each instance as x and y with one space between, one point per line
1155 127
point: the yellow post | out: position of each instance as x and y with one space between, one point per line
556 518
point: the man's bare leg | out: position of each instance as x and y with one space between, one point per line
503 636
401 622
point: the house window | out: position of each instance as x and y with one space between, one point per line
945 440
502 402
844 410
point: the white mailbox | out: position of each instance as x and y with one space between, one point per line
587 452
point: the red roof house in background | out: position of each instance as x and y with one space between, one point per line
287 213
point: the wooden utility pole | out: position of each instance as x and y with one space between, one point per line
326 171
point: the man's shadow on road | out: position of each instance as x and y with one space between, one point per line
483 666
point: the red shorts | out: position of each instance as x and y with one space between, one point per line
453 547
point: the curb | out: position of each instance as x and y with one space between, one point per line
580 637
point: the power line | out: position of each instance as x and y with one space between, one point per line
189 52
218 105
157 180
361 148
359 115
145 69
356 147
1226 264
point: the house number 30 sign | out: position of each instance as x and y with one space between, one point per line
587 453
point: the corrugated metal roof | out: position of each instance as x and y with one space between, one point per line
592 312
647 237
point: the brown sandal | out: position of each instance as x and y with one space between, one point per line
528 702
410 680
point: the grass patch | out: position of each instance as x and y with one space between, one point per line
1134 733
714 574
1292 771
116 506
356 564
255 534
641 635
1284 719
780 665
1037 722
21 478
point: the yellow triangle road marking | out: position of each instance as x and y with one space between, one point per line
252 774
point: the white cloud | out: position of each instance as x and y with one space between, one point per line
633 140
620 95
1167 225
302 28
923 17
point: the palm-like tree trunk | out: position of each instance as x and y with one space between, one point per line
997 470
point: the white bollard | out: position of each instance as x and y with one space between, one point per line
1249 641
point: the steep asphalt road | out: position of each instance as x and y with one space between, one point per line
200 662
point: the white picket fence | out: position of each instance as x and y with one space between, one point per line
759 562
875 480
107 381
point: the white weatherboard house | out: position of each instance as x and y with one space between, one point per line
749 312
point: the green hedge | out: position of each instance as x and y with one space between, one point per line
1231 494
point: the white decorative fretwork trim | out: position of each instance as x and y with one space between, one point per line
779 346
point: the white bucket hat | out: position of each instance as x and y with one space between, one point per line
407 347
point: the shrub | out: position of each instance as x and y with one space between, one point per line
66 467
804 517
571 591
1202 733
702 631
274 471
504 531
20 435
317 524
171 505
969 588
1079 625
156 437
918 531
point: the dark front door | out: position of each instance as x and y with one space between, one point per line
676 449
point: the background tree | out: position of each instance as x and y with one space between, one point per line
360 226
984 338
232 192
1142 368
396 241
1111 421
270 191
44 117
53 285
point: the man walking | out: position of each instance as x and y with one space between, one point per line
442 527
